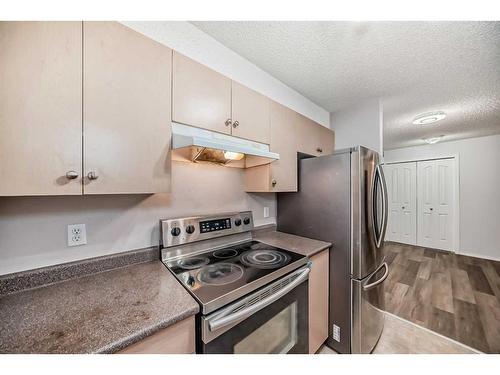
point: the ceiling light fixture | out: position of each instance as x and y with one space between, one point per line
433 140
429 118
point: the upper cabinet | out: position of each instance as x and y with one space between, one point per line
200 96
86 108
117 142
40 108
281 174
326 140
209 100
250 114
312 138
126 111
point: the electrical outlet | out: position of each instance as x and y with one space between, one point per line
266 211
77 235
336 333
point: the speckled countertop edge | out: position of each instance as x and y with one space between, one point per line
142 334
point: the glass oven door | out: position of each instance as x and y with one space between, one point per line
272 320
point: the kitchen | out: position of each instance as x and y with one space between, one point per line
179 202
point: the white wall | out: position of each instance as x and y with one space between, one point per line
361 124
33 229
187 39
479 171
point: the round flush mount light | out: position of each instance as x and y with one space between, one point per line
433 140
429 118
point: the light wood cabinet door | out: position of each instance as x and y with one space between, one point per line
126 118
201 96
250 114
283 141
40 108
326 140
318 300
281 174
312 138
307 140
176 339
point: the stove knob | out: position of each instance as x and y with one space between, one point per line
246 221
237 222
190 280
190 229
175 231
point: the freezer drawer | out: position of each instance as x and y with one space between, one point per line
367 314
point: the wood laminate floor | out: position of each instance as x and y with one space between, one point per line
402 337
454 295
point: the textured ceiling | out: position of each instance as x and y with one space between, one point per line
414 67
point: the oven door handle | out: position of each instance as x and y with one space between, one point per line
225 317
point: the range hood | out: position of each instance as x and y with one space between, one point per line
201 145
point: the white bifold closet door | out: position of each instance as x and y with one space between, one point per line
436 200
401 185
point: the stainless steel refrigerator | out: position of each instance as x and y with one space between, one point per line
342 199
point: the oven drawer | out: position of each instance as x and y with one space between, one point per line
272 320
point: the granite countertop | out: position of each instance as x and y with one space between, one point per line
297 244
97 313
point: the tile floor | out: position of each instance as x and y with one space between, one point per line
453 295
403 337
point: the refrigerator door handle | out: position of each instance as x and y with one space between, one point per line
380 233
379 281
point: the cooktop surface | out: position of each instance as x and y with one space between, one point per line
228 273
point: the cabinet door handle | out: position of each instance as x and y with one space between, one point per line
71 175
319 149
235 124
228 122
273 182
92 175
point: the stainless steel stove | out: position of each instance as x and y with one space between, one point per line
253 297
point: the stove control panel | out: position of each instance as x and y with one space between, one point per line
214 225
191 229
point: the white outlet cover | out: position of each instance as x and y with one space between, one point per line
77 234
266 211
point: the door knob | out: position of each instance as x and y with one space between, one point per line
71 175
92 175
432 209
403 207
228 122
235 124
273 182
319 149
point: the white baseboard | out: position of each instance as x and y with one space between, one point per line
478 256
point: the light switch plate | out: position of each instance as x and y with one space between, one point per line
77 234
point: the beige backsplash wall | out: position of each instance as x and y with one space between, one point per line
33 229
